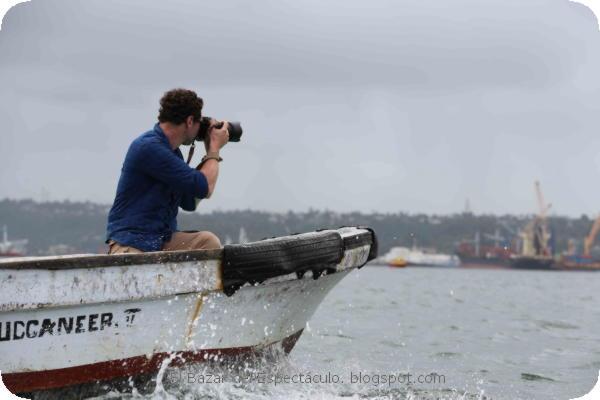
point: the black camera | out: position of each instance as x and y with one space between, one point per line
235 129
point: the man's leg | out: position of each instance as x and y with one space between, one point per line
192 241
116 248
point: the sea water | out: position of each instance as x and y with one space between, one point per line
424 333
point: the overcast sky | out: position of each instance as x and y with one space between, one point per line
346 105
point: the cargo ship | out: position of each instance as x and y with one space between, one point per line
536 249
474 254
533 262
578 263
586 261
535 240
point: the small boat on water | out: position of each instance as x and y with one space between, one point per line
397 262
404 256
11 248
70 320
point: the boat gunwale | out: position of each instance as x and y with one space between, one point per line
89 261
349 240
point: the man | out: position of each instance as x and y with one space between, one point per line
155 181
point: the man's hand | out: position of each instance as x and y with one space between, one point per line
217 137
213 142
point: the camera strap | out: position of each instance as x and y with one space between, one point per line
191 153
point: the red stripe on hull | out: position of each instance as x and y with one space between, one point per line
104 371
11 254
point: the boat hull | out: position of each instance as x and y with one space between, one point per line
136 337
578 263
142 317
482 262
534 263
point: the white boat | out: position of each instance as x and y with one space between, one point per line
400 256
11 248
71 320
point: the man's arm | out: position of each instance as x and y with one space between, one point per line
210 169
162 164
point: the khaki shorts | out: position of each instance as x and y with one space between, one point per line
203 240
116 248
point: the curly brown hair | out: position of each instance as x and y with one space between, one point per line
178 104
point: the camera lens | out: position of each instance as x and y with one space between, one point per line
235 131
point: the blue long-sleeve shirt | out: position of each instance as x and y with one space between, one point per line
154 183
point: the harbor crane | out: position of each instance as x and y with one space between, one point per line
588 242
535 236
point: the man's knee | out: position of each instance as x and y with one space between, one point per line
207 240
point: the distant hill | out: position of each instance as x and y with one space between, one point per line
73 227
